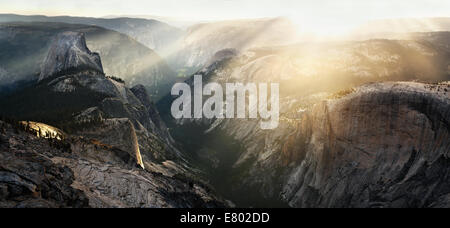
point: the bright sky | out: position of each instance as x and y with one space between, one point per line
338 15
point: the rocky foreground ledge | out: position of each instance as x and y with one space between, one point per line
74 172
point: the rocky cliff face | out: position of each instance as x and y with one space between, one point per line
29 178
385 145
157 124
382 145
67 52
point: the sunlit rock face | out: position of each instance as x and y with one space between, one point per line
385 145
43 130
67 52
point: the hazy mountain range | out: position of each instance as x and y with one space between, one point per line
154 34
186 51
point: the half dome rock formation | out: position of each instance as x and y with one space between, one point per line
69 51
76 72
